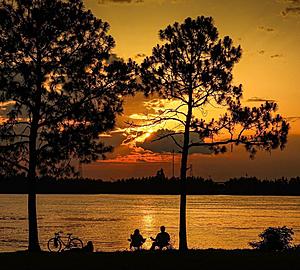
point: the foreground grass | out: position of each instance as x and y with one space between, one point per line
194 259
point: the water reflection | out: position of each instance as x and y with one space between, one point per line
107 220
147 221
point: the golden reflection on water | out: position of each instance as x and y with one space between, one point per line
147 220
148 225
108 220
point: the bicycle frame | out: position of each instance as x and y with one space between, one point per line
60 239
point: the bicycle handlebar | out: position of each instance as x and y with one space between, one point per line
61 232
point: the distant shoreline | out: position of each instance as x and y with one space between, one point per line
250 186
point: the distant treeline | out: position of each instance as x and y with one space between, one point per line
153 185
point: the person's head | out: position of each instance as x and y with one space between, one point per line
89 246
162 228
136 231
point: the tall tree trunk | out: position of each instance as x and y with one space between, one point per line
182 224
32 220
184 159
32 213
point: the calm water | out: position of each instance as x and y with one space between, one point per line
213 221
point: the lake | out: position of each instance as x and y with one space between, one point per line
213 221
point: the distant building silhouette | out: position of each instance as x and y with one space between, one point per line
160 175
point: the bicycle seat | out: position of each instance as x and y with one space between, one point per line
69 234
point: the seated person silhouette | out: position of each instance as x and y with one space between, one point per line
162 239
89 247
136 240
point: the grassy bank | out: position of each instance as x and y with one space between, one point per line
194 259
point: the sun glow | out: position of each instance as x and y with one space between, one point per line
144 135
148 134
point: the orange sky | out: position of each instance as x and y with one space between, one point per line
269 33
267 30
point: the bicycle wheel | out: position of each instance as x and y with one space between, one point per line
54 245
75 243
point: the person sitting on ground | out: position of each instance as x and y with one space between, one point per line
136 240
89 247
162 239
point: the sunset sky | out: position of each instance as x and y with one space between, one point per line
269 33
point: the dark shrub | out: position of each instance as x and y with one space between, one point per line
274 239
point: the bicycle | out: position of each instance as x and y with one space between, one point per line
55 243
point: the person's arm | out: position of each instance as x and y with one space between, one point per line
130 239
168 237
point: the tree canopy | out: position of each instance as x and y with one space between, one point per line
61 79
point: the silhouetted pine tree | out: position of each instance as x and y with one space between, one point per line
62 86
193 66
